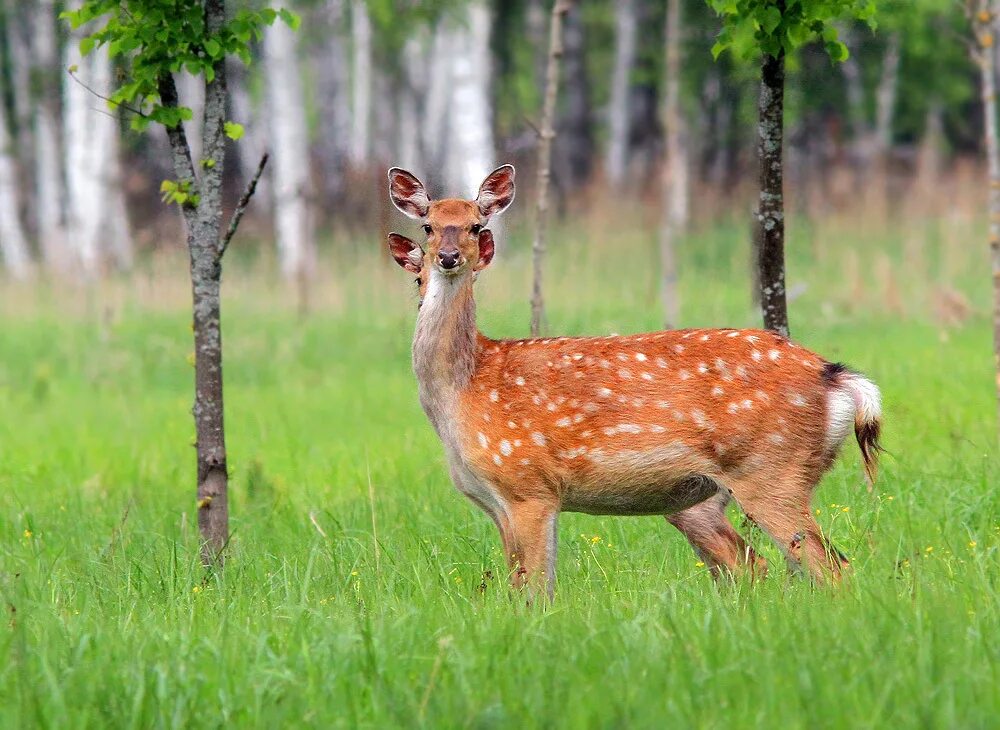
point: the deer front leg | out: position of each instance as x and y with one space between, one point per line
715 541
529 538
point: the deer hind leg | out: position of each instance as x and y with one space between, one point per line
715 541
530 538
780 505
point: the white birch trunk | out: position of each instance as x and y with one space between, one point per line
13 241
361 84
95 200
469 141
331 69
409 147
618 112
675 169
290 153
248 112
48 182
191 90
885 96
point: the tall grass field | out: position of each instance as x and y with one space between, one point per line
362 590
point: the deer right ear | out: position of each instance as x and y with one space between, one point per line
407 254
408 193
496 192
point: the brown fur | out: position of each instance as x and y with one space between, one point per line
674 422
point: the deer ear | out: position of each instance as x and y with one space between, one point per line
407 254
497 191
486 249
408 193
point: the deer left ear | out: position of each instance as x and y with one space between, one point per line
496 192
486 249
406 253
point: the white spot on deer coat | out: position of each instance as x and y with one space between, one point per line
505 447
494 396
538 438
483 441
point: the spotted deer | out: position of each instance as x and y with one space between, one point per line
674 423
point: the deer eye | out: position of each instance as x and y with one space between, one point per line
419 282
476 228
427 229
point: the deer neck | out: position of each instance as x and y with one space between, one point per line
444 344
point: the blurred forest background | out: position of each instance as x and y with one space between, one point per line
449 89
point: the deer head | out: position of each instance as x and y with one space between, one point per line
458 242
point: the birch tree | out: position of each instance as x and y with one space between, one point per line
198 36
290 167
618 110
95 200
559 10
361 84
49 198
675 172
773 29
13 240
985 17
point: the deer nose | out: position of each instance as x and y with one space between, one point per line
448 259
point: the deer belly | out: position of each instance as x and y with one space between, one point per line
658 497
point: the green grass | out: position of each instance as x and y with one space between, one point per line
363 590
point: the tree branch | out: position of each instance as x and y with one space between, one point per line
138 112
241 207
183 167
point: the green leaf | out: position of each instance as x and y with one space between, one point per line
87 44
770 19
233 130
837 51
292 20
212 48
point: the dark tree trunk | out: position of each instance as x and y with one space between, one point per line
573 147
986 24
770 223
559 11
203 220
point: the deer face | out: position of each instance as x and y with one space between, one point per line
457 242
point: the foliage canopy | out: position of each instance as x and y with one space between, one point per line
778 27
165 37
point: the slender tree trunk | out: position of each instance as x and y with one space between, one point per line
13 241
49 204
96 208
469 151
361 88
885 97
203 222
292 214
675 181
618 112
573 147
331 69
986 23
18 35
770 223
559 10
252 113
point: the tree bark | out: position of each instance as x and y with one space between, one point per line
469 151
559 10
675 180
95 201
618 111
885 97
13 241
18 35
361 80
331 69
292 214
573 147
770 219
986 24
203 221
49 203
